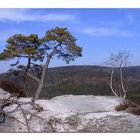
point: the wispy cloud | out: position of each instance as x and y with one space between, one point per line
106 31
19 15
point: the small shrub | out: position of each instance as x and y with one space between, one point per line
129 106
12 87
121 107
125 105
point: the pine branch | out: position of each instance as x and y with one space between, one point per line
33 77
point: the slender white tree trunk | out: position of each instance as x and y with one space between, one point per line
122 84
111 82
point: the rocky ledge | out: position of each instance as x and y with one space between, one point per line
67 113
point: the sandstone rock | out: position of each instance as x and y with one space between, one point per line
67 114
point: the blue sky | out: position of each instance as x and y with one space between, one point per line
99 31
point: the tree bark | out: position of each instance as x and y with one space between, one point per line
26 72
28 65
122 84
41 83
33 77
111 82
45 68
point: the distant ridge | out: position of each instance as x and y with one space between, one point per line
82 80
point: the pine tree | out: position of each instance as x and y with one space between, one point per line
20 46
60 43
57 42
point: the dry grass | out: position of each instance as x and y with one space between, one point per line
13 88
129 106
125 105
135 111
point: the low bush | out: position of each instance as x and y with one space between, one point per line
129 107
125 105
12 87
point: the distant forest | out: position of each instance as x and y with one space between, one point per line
81 80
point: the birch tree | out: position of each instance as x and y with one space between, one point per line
112 62
118 60
122 59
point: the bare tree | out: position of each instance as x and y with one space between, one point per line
112 62
119 60
122 59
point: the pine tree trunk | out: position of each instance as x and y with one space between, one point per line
41 83
25 72
28 65
45 68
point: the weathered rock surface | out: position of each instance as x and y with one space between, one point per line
66 114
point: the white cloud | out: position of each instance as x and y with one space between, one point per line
19 15
104 31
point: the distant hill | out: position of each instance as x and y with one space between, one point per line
83 80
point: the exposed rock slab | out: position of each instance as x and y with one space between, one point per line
67 114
